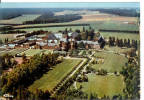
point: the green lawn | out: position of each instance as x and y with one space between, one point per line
32 52
112 62
103 85
49 80
117 49
13 52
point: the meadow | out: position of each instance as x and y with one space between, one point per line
108 85
49 80
20 19
112 62
117 49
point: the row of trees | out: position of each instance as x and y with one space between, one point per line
65 91
131 73
50 18
122 42
35 33
24 75
11 31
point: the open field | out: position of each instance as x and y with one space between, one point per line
113 25
81 12
103 85
112 62
91 16
105 17
32 52
20 19
49 80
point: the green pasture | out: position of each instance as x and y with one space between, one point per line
113 25
112 62
108 85
117 49
49 80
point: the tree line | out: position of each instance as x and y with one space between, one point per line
114 30
123 42
131 73
25 74
46 18
11 31
35 33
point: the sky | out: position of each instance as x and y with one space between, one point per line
70 5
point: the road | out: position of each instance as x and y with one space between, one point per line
69 76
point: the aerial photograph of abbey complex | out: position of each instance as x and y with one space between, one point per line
70 51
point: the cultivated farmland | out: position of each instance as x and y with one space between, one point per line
49 80
104 17
91 16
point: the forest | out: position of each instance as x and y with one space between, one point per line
47 18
